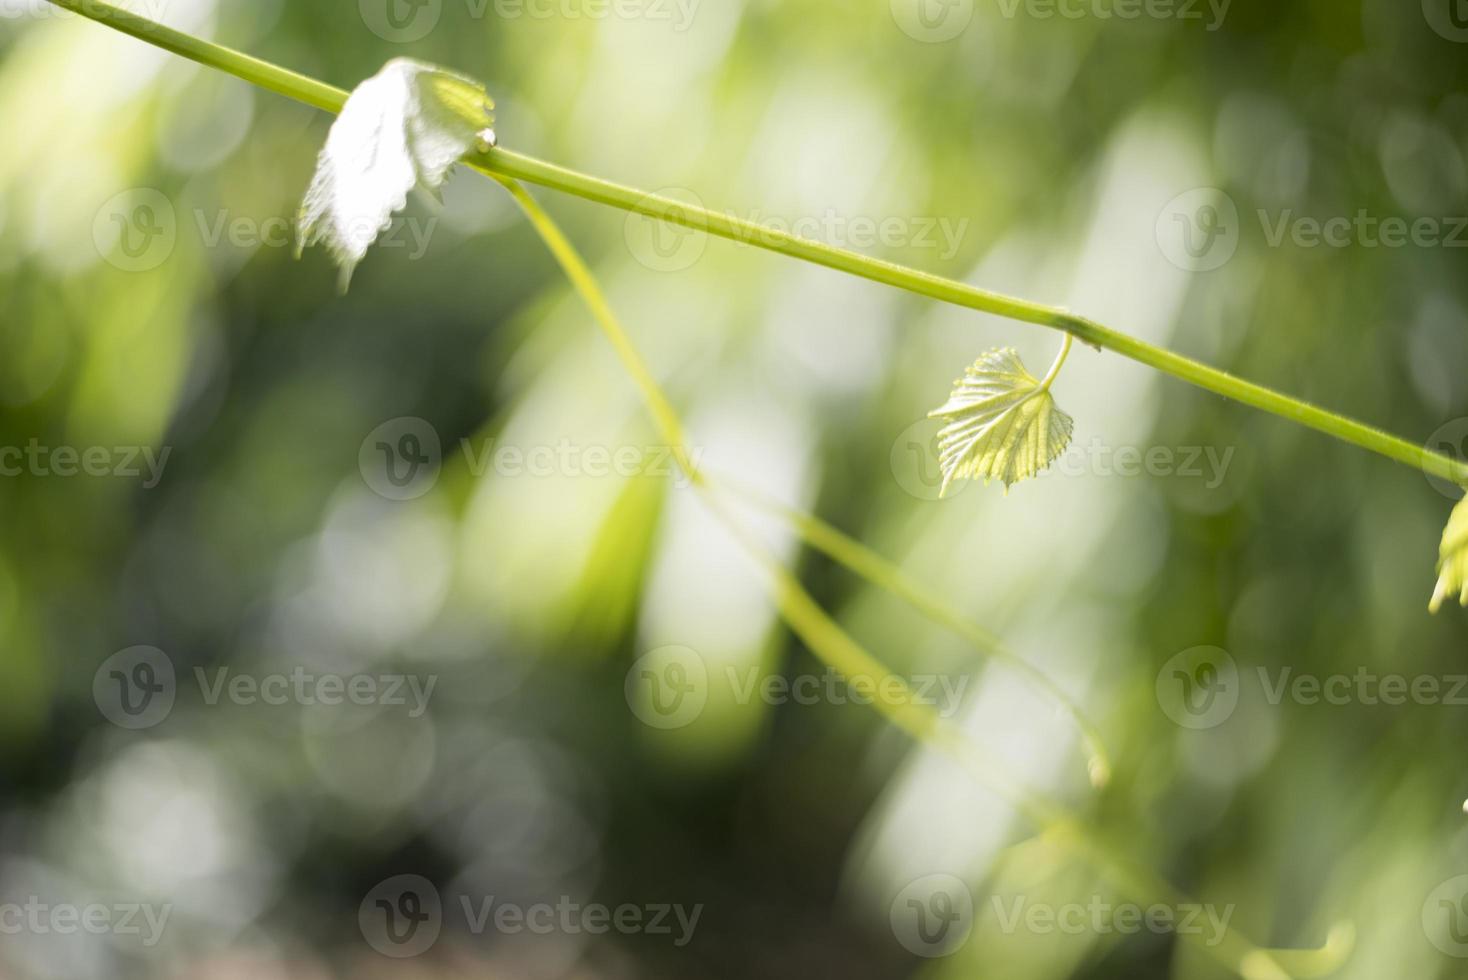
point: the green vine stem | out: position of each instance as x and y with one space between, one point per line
873 568
811 623
1054 371
835 647
505 163
508 163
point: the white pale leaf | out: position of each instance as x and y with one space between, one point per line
1002 423
1452 566
402 128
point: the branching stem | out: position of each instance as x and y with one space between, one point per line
1054 371
504 163
804 615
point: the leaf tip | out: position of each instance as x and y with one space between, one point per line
1002 423
1452 563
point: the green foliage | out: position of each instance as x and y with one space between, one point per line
1453 559
403 128
1002 422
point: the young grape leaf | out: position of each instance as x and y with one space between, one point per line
402 128
1002 423
1452 567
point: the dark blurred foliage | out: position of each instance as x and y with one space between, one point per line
1068 155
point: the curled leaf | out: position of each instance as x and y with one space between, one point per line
1002 423
1452 566
402 128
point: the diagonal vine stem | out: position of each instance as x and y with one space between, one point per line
878 571
508 164
824 637
804 615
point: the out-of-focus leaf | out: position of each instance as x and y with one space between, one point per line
1002 423
1452 564
402 128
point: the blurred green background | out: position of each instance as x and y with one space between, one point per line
215 468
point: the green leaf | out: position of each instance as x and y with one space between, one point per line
1452 566
1002 423
402 128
